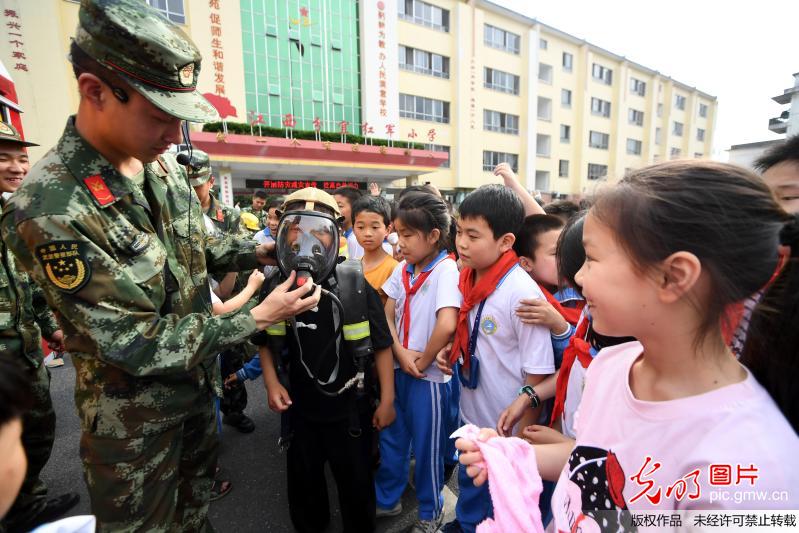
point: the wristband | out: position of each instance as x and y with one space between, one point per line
535 401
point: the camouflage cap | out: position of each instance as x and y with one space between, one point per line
311 196
148 51
199 169
9 133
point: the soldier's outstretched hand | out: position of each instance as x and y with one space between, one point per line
283 303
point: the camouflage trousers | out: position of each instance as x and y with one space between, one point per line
156 483
38 434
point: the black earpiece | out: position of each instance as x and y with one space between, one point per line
121 95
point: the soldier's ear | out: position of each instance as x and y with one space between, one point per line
92 90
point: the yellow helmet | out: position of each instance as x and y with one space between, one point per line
311 196
250 221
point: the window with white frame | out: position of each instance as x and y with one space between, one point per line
492 159
563 168
634 147
637 87
597 172
541 180
600 107
543 145
703 110
679 101
597 139
501 39
565 98
658 135
500 81
545 73
602 74
675 153
636 117
700 135
423 14
543 44
565 133
423 62
677 130
421 108
500 122
568 61
171 9
544 108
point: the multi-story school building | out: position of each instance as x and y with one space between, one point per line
473 82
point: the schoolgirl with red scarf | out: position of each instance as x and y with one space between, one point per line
422 311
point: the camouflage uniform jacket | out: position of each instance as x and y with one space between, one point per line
133 297
23 310
226 219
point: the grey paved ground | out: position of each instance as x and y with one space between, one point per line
258 500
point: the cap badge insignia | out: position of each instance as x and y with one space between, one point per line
186 75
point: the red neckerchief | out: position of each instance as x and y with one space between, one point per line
578 348
735 311
473 295
410 290
569 314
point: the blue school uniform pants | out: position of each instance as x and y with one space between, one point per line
422 412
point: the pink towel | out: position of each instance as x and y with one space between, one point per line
513 482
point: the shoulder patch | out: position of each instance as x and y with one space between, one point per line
65 264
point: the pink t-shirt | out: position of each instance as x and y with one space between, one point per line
646 456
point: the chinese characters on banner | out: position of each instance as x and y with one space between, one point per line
290 185
13 26
379 63
226 187
381 56
472 93
217 49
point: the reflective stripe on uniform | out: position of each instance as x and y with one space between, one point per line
355 332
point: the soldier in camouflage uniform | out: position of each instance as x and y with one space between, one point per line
24 318
108 226
223 220
257 208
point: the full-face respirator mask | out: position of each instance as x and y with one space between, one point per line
307 242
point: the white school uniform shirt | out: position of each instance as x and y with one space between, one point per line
440 290
507 349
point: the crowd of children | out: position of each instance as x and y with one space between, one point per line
600 334
492 329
